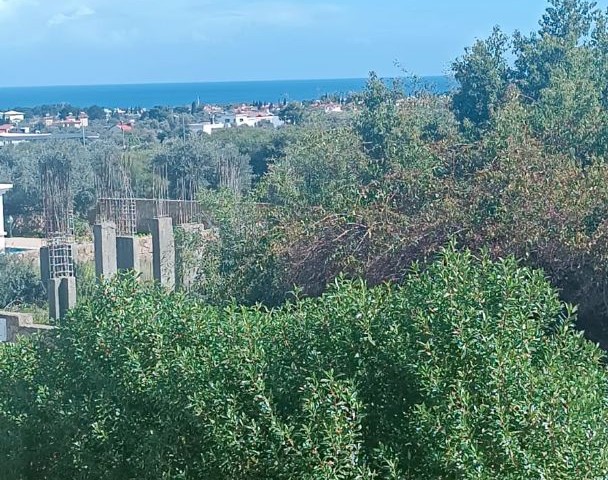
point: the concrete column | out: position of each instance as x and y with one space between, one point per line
67 295
3 330
53 296
4 187
127 251
163 251
2 230
45 266
104 239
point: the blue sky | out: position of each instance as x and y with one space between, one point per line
72 42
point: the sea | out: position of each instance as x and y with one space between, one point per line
216 93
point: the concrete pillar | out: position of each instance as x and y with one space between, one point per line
127 251
67 295
53 296
4 187
163 251
3 330
145 265
104 239
45 265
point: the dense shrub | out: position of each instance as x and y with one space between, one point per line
470 369
19 283
367 200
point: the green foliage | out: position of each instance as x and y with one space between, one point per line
560 72
186 166
262 145
236 260
192 165
395 131
483 74
86 280
95 112
191 242
564 28
369 198
293 113
82 230
470 369
321 168
19 283
505 392
378 124
23 163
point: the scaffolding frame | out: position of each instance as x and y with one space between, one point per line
58 210
116 202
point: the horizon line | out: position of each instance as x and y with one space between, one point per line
216 81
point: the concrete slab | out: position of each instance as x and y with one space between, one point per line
25 242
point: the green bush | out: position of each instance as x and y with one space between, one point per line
19 283
469 370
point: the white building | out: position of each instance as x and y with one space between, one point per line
245 119
333 108
83 118
249 118
209 127
4 187
252 119
206 127
13 117
227 118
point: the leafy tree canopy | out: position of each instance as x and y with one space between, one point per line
470 369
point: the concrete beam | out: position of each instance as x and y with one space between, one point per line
104 239
163 251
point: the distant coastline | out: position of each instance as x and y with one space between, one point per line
217 93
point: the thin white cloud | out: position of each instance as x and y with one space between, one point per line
9 8
62 17
105 23
236 12
273 13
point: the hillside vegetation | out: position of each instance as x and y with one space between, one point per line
514 162
470 369
388 294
